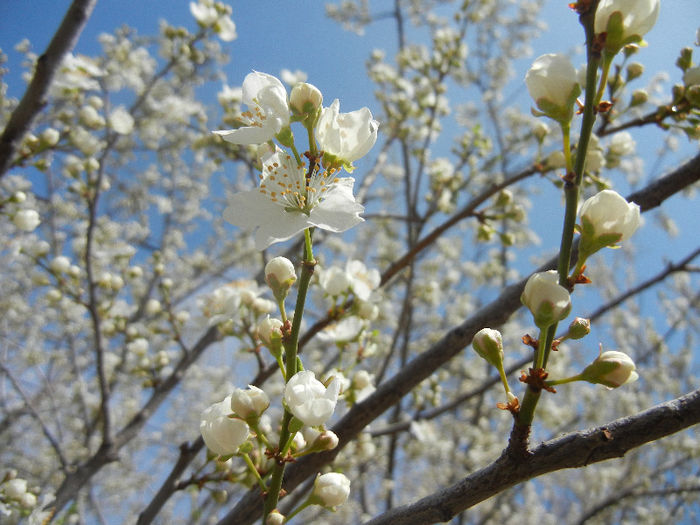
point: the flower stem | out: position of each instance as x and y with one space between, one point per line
254 470
571 192
571 379
297 510
291 346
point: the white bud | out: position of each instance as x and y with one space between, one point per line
60 264
268 329
280 276
251 402
606 219
488 343
612 369
548 301
330 490
26 220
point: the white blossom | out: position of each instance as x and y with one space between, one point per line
287 202
638 17
222 434
551 82
251 402
330 490
362 279
309 400
121 121
267 113
26 220
607 218
345 137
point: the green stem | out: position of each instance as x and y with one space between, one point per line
297 157
313 150
566 139
607 62
571 379
297 510
571 192
254 470
291 345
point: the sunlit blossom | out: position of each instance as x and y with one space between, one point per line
268 111
287 202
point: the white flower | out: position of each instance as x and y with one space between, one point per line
362 280
28 500
267 113
251 402
612 369
363 385
77 72
15 488
60 264
138 346
638 17
488 343
226 29
622 144
330 490
548 301
204 12
551 82
345 137
209 14
335 281
606 219
26 220
309 400
221 305
222 434
121 121
287 202
342 331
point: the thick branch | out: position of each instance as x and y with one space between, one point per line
34 98
574 450
452 343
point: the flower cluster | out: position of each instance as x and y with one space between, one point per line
293 196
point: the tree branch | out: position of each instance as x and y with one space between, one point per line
573 450
34 98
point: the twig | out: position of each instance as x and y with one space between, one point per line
34 98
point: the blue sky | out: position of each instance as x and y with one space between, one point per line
275 34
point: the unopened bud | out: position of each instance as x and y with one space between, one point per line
639 97
280 276
634 70
612 369
305 101
579 328
274 518
488 344
249 403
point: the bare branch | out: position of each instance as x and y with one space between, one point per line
34 98
574 450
